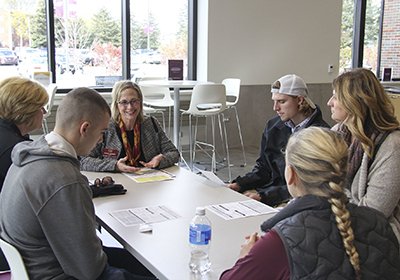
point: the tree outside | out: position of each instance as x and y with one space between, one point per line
91 41
371 34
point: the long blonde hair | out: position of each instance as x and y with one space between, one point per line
319 158
365 101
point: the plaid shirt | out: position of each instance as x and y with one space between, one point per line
301 125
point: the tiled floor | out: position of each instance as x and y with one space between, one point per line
203 162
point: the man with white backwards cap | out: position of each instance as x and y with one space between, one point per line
266 182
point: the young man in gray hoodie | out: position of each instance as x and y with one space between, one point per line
46 208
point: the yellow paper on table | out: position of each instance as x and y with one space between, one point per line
146 175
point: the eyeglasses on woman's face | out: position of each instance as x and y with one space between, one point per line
132 102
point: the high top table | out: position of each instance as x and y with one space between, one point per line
176 85
165 251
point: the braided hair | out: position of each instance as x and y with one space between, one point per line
319 158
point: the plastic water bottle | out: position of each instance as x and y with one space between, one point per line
199 239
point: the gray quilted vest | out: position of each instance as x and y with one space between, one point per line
315 249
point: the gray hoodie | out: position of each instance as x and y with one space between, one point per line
47 213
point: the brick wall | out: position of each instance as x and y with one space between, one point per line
390 52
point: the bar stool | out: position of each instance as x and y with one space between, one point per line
158 97
207 100
232 86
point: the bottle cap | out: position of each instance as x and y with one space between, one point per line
200 211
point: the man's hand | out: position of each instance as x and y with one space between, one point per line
250 241
234 186
121 166
253 195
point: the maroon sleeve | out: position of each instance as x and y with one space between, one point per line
266 260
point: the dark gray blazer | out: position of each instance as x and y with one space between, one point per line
153 141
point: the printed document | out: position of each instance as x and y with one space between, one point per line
240 209
144 215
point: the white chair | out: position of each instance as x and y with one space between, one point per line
51 90
207 100
158 97
150 111
14 259
232 94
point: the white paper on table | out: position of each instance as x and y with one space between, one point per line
212 177
240 209
144 215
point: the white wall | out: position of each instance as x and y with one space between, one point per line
261 40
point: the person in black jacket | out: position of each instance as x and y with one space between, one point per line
22 104
266 182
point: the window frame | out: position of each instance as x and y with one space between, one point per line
358 36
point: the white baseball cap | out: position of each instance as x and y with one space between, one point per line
292 85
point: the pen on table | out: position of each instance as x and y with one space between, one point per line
223 207
165 216
219 211
147 209
133 213
237 211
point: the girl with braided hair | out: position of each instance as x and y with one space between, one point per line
319 235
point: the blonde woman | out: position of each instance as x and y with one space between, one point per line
22 104
319 235
132 140
366 118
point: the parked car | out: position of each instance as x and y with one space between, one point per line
8 57
63 66
39 64
153 58
87 57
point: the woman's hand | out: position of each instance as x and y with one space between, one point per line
250 241
121 166
154 162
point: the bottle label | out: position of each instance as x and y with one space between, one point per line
200 234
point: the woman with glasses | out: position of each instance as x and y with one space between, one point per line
319 235
132 140
366 118
21 112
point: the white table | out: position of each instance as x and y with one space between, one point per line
176 85
165 251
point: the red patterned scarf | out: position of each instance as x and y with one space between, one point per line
133 154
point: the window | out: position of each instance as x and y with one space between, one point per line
88 39
158 33
381 40
390 39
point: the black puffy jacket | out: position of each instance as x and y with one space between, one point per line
315 248
267 176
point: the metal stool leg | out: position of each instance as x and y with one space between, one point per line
227 151
240 136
